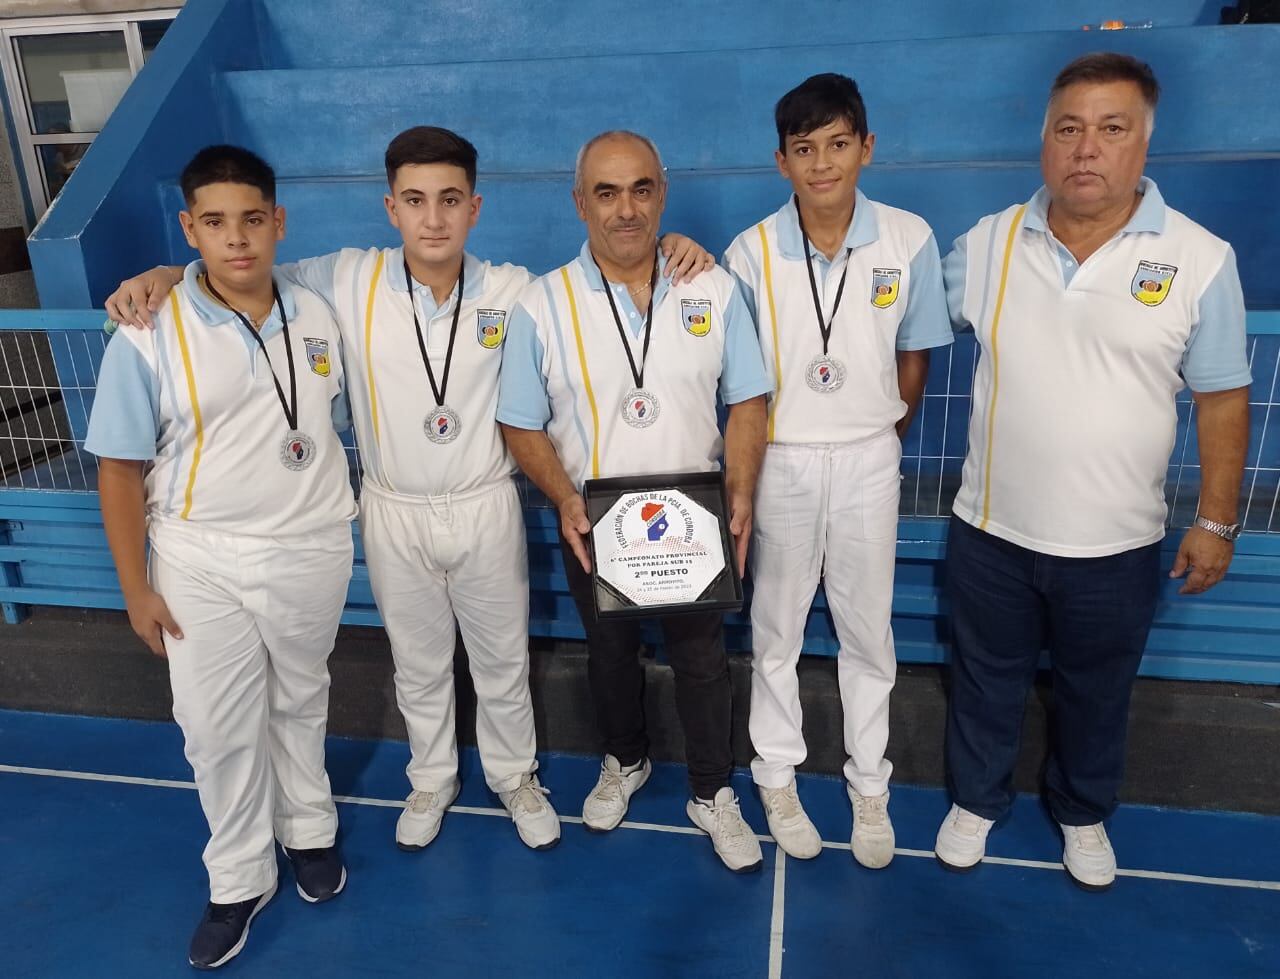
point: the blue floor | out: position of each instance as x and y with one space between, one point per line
103 878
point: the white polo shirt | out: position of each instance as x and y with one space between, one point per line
565 370
391 398
1073 401
893 299
195 396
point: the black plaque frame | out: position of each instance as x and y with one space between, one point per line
724 594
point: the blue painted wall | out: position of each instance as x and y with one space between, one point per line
955 92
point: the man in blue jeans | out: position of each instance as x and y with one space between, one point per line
1093 304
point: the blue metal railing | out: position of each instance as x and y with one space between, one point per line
53 551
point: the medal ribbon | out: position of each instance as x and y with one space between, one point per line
636 375
823 329
288 405
437 392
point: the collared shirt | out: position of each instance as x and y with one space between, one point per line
391 398
195 396
564 369
1068 451
893 299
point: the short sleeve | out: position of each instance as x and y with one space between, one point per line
124 422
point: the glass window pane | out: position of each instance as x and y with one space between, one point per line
74 80
151 31
58 161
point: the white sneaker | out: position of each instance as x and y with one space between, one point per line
536 822
733 839
1088 856
423 813
872 841
606 805
789 824
962 839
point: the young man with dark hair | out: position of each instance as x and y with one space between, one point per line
423 327
848 299
216 442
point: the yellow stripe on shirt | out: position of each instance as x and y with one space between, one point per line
368 344
189 370
995 365
586 376
773 319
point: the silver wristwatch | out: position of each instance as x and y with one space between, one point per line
1227 531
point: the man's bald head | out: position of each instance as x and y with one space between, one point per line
615 137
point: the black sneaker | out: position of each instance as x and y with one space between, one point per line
320 873
223 930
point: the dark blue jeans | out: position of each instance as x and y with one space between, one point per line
1007 604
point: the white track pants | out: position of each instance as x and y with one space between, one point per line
836 504
250 682
432 559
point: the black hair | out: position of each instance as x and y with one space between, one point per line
430 144
1109 66
819 101
227 165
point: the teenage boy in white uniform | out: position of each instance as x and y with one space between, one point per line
216 441
610 372
440 518
849 300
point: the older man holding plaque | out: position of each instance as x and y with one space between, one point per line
611 371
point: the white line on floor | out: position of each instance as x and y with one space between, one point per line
165 783
779 903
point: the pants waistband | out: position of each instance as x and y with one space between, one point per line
435 502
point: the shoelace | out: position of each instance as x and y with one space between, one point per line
528 798
968 823
421 802
731 829
872 811
785 803
1089 839
609 788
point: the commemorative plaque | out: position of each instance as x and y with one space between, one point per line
660 545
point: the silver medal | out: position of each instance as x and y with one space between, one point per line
640 408
442 425
824 374
297 451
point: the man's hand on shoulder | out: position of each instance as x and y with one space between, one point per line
138 299
686 259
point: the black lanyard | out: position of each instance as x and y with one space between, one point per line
636 375
290 404
823 328
437 392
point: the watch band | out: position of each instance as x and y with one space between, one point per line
1227 531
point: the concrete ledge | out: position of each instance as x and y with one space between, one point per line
1191 745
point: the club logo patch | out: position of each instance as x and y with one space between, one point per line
696 316
1151 283
884 287
317 355
491 327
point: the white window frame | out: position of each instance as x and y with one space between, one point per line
30 168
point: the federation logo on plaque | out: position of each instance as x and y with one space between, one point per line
491 327
658 548
317 355
1151 283
696 316
655 520
884 287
